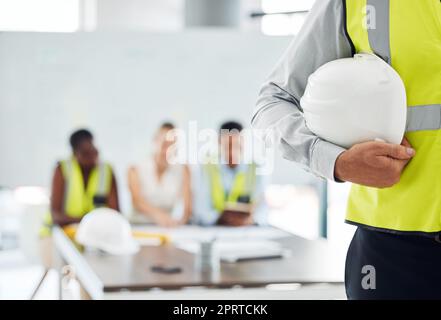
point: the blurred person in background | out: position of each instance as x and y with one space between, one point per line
229 191
161 191
81 183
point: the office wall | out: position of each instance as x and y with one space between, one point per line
137 15
121 85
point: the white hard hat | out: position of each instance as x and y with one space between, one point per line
355 100
107 230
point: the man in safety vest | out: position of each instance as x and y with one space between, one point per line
80 184
229 191
395 198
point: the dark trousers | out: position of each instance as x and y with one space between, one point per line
382 265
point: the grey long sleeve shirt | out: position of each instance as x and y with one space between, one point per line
322 39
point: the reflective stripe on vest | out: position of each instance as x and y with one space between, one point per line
406 34
243 185
424 118
377 24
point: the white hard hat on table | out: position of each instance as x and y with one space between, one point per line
107 230
354 100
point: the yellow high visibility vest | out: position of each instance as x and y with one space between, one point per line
243 186
80 199
406 34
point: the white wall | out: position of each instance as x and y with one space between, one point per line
135 15
154 15
121 85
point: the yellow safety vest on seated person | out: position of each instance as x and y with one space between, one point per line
242 187
406 34
80 199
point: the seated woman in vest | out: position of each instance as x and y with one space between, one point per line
81 183
161 191
229 191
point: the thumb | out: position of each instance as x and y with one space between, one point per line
397 151
405 143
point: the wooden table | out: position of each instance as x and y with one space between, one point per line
106 276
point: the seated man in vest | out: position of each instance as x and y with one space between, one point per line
229 192
81 183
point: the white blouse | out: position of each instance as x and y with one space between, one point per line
165 193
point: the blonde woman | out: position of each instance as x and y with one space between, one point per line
161 192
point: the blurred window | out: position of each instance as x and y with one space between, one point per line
294 209
284 17
39 15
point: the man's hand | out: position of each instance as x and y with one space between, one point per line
374 164
235 218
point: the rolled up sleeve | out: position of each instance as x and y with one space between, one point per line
278 112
